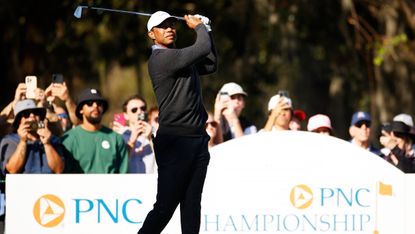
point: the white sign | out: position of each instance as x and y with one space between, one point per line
284 182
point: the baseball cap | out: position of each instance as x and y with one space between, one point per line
27 104
157 18
89 94
318 121
360 116
300 114
232 89
275 99
405 118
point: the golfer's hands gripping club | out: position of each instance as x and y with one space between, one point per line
206 21
192 21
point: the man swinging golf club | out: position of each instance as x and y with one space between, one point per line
181 145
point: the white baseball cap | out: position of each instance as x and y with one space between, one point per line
232 89
318 121
157 18
405 118
275 99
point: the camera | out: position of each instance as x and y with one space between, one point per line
142 116
35 125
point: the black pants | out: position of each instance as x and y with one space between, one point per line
182 165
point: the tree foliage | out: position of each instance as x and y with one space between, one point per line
334 57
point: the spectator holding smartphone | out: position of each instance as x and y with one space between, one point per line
58 90
398 138
119 123
280 112
229 104
138 136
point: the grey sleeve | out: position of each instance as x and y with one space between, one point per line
183 57
208 64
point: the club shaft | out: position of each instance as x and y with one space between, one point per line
127 12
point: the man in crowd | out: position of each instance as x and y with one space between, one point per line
31 148
359 131
280 111
92 147
229 104
138 136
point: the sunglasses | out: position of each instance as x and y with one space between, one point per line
63 115
91 102
135 109
361 123
26 114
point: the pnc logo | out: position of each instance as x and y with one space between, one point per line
301 196
49 210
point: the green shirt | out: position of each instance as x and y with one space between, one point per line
102 151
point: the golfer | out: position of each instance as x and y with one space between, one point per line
181 144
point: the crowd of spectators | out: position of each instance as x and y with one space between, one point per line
52 133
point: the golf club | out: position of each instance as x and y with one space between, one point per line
78 12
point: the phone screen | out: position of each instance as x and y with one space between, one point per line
31 85
283 93
119 118
143 116
57 78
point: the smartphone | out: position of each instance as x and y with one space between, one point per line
57 78
143 116
120 118
31 85
223 94
283 93
386 127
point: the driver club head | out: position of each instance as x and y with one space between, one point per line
78 12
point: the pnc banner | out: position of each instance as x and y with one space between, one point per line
285 182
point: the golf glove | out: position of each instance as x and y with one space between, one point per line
206 21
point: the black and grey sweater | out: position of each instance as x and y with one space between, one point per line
175 74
